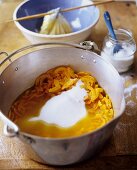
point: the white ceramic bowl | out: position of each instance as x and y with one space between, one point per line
82 20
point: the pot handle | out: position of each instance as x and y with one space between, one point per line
86 45
90 45
10 129
4 53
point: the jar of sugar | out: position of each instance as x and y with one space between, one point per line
124 58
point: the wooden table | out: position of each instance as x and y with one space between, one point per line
121 150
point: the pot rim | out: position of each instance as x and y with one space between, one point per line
89 46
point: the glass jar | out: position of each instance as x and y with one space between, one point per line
124 58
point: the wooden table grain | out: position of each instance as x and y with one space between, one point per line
120 151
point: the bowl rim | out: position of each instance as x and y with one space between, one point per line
51 36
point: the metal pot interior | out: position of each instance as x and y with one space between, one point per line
21 74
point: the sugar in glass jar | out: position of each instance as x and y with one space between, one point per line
124 58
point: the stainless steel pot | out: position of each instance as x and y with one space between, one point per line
20 75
